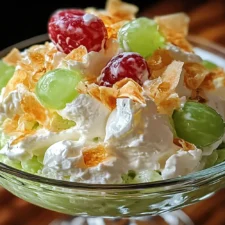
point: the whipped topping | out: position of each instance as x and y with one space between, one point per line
89 18
182 163
93 62
65 158
37 143
148 128
10 105
138 135
89 114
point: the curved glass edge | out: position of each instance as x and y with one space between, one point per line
192 179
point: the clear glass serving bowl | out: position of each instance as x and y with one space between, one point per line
117 200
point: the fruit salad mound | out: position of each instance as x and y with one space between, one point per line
111 99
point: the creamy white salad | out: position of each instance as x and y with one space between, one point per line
112 99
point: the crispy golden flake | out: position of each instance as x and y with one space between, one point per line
198 95
117 13
9 126
77 54
194 75
174 27
20 77
126 88
94 155
178 22
31 106
159 60
162 89
186 146
122 10
37 61
13 57
214 79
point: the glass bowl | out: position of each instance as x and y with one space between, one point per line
147 199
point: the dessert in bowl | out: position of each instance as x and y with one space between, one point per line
112 116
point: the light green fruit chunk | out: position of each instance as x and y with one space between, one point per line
211 160
32 165
13 163
57 123
209 65
6 72
221 156
142 36
58 87
142 177
198 123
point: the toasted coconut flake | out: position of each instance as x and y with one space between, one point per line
178 22
21 137
94 155
175 29
119 9
194 75
10 125
168 105
128 88
108 97
19 77
172 74
13 57
26 123
159 60
162 89
36 61
214 80
125 88
186 146
77 54
199 95
31 106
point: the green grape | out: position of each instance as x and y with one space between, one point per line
32 165
144 176
221 156
209 65
129 177
6 72
198 123
221 146
58 123
142 36
13 163
211 159
57 88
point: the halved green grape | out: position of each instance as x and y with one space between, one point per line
57 88
13 163
209 65
6 72
32 165
221 156
142 36
221 146
144 176
198 123
57 123
211 159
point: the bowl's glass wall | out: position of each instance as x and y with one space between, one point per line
112 203
116 200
